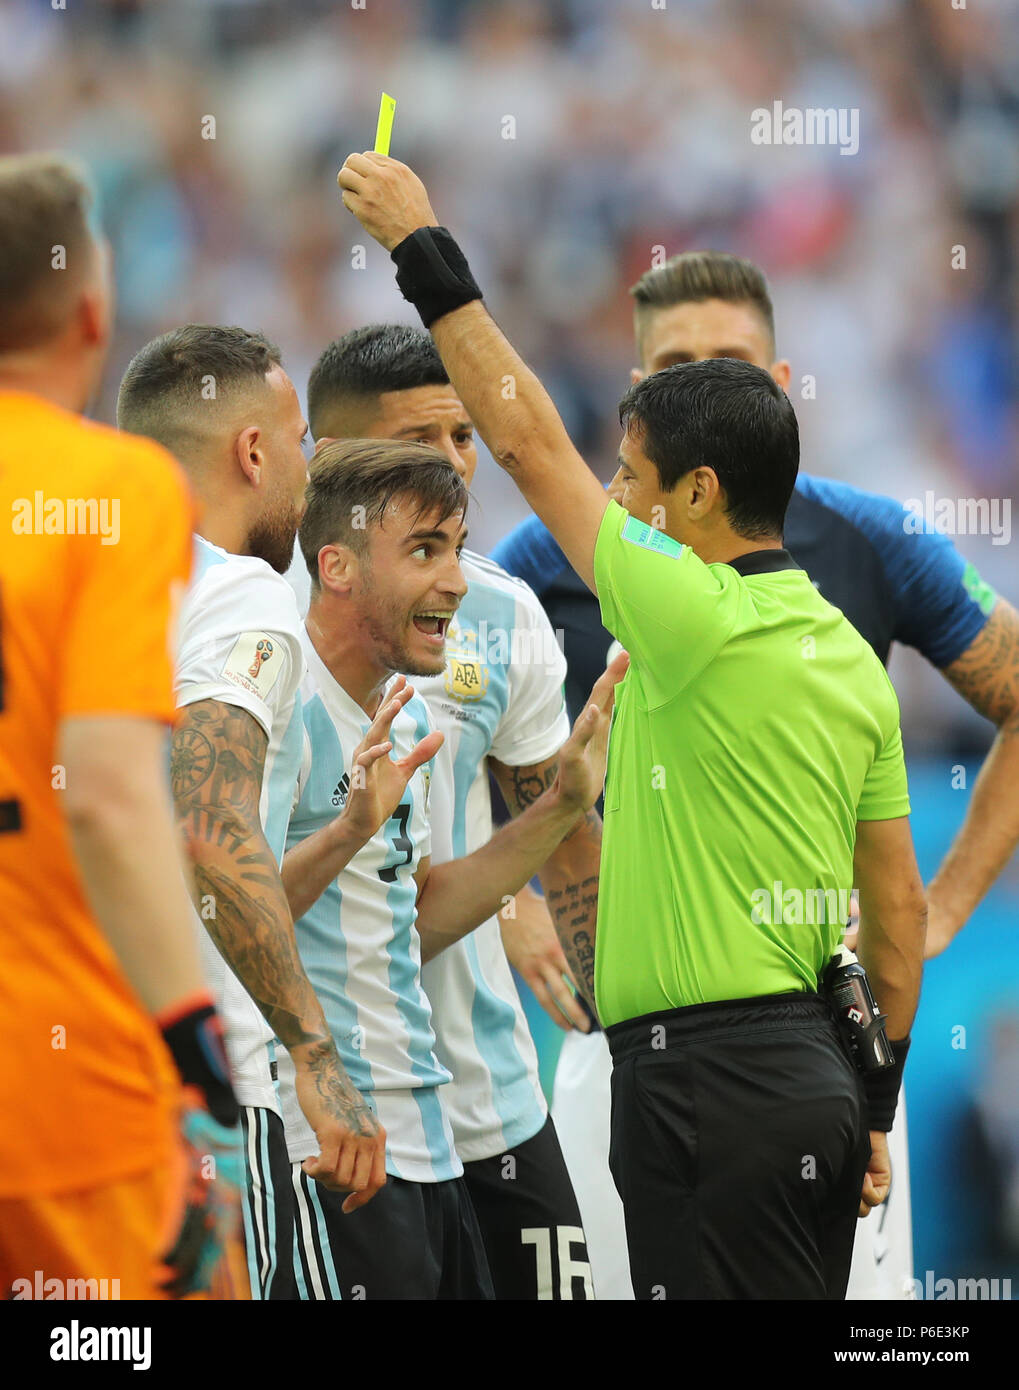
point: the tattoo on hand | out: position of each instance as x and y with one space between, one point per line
338 1093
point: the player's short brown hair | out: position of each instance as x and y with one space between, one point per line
46 246
173 380
694 276
351 483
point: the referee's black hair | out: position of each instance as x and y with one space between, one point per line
726 415
356 369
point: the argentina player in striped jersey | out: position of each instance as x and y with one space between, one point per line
381 538
499 702
236 753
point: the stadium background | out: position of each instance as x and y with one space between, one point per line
563 140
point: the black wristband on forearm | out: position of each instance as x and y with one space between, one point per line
195 1040
882 1088
433 274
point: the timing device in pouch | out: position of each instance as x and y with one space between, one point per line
847 989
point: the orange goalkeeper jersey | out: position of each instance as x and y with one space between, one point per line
95 546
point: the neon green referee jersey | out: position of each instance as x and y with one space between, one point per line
754 728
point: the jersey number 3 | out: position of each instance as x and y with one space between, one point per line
401 842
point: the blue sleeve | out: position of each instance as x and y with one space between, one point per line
939 601
532 553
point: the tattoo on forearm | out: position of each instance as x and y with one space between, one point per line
592 823
216 766
529 783
574 909
987 674
245 927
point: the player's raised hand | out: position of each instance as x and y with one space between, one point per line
582 757
377 783
386 197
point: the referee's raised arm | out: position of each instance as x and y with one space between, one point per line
509 406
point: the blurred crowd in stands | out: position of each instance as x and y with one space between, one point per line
562 141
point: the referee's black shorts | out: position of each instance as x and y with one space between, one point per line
738 1148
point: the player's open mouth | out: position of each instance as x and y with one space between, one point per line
433 626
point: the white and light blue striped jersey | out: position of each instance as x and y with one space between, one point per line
500 694
239 642
359 943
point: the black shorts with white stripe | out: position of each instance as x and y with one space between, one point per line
530 1221
413 1240
268 1206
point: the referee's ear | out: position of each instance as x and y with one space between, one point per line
636 375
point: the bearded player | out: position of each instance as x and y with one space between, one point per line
236 754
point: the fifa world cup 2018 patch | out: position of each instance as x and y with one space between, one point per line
639 533
254 663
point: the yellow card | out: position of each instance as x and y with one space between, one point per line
384 129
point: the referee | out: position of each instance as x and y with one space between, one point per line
755 774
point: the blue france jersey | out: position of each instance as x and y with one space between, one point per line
359 943
501 694
864 552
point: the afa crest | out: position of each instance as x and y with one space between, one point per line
466 676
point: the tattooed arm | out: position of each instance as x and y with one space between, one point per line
569 876
532 947
217 763
987 675
529 935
